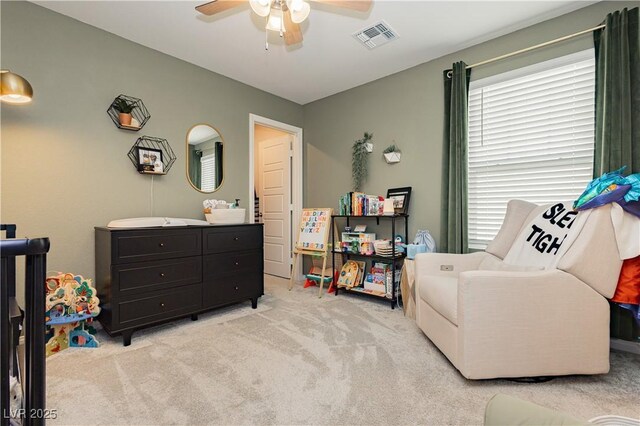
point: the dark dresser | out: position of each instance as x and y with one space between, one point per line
146 276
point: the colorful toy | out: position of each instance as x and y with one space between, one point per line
71 304
313 277
352 274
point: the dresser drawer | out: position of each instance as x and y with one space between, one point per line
146 245
232 238
169 304
231 288
132 278
233 262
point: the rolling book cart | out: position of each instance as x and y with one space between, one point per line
395 260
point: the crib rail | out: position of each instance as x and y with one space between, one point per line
34 384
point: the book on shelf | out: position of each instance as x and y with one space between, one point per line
360 204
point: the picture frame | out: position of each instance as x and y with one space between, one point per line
401 198
150 160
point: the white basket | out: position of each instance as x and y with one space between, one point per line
392 157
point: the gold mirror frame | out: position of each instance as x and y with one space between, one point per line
187 157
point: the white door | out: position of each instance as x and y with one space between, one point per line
275 201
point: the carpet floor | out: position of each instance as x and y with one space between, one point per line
298 359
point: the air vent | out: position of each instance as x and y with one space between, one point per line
376 35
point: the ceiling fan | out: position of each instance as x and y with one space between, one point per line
283 16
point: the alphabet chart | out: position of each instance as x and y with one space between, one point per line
314 230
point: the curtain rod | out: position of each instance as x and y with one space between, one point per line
537 46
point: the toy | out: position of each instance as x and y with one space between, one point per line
314 275
71 303
313 239
352 274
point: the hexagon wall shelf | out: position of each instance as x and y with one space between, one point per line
140 113
148 147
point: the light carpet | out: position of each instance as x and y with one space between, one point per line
299 359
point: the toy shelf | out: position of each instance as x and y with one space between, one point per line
373 256
363 291
394 260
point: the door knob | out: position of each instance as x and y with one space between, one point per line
237 263
236 238
237 288
162 274
161 244
162 305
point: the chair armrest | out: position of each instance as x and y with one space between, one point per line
510 318
432 263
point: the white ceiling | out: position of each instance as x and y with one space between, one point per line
329 60
201 133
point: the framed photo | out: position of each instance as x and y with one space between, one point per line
401 198
150 160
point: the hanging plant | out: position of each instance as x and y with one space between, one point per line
359 161
392 154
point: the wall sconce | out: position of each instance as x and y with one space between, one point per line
14 89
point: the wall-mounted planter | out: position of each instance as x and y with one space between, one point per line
392 157
134 121
151 155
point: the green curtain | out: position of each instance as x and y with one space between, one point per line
219 171
617 52
454 237
194 166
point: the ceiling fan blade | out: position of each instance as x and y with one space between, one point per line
359 5
217 6
292 34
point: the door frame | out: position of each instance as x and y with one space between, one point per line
296 175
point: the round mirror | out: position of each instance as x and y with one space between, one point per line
204 158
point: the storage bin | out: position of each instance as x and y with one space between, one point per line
623 324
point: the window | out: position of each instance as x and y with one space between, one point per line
208 167
531 136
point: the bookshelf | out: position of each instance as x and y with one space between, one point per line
395 260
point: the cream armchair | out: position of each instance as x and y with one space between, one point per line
494 320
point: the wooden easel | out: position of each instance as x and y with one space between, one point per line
313 240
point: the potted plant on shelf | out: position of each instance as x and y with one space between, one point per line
359 165
124 109
392 154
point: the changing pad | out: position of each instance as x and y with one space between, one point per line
152 222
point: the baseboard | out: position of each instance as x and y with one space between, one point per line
625 346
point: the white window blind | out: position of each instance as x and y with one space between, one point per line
208 168
531 136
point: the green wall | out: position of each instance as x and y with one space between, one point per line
64 163
407 107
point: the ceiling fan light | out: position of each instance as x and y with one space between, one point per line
294 5
300 11
274 23
261 7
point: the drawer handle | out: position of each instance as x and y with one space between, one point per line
161 244
162 305
162 274
237 288
236 238
237 263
